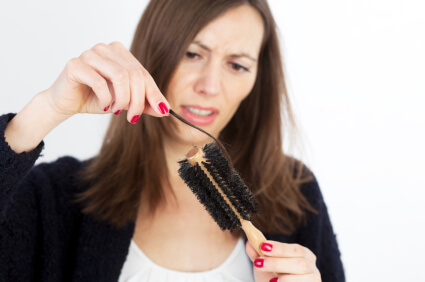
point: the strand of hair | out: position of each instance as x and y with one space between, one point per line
174 114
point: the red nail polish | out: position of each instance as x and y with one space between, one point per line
118 112
276 279
106 108
259 262
162 108
135 119
266 247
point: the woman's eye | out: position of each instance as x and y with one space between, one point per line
238 67
191 55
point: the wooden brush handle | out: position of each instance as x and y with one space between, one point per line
255 237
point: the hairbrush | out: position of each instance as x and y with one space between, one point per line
218 186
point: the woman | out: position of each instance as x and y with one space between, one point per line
126 215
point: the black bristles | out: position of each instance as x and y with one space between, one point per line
230 183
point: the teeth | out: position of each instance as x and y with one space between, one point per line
199 112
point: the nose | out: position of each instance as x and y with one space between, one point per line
209 80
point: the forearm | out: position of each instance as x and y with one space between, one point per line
29 127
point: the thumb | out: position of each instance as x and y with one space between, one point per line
252 253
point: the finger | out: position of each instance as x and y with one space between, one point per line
115 73
157 101
136 103
298 278
252 253
284 250
285 265
120 49
111 89
83 73
157 104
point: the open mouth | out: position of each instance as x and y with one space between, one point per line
199 112
199 115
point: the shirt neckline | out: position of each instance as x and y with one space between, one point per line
238 246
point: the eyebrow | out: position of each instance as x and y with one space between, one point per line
200 44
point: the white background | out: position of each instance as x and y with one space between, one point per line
355 71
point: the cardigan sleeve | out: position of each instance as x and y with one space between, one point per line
319 237
44 236
18 226
13 166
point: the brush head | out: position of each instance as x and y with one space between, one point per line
209 162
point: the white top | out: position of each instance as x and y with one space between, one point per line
139 268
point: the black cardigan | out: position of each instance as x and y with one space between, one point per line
43 237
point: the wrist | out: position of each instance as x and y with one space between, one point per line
29 127
43 101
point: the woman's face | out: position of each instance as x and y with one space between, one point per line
216 73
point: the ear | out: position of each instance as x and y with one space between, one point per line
251 251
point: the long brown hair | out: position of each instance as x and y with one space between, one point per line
132 161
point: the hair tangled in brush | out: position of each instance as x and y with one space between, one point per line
230 183
223 149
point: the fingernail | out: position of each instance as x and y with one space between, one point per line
259 262
276 279
266 247
118 112
162 108
135 119
106 108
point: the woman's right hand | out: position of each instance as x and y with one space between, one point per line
106 78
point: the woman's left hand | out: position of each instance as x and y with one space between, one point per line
290 262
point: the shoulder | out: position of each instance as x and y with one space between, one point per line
47 192
58 169
58 178
308 184
312 192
